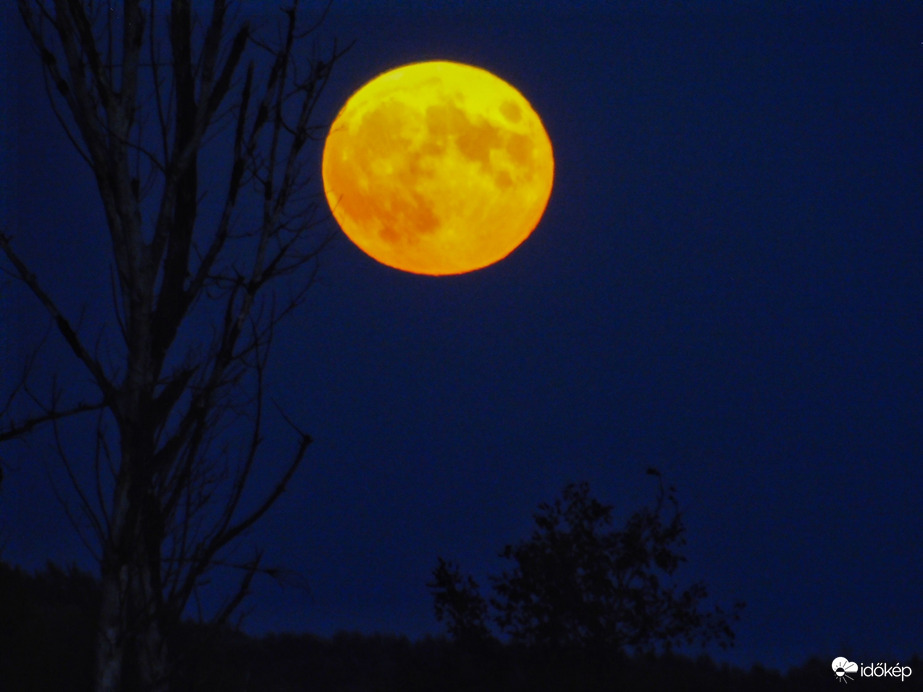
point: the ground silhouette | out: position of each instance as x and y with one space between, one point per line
46 643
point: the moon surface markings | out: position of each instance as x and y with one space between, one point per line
437 168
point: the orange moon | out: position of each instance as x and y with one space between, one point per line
437 168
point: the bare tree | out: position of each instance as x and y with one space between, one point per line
141 96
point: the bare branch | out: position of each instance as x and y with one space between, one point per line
16 430
85 505
70 336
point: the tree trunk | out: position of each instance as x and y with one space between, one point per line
110 640
130 649
148 637
111 632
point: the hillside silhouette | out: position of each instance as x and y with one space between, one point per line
47 620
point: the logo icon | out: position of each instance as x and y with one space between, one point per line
841 667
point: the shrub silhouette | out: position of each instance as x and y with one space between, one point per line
579 584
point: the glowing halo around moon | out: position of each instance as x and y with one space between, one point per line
437 168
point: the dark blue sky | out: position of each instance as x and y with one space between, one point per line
726 285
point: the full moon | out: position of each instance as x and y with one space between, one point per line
437 168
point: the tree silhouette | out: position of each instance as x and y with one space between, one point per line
459 604
142 91
578 584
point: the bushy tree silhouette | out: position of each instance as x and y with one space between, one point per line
579 584
460 604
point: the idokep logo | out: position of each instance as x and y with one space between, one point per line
842 667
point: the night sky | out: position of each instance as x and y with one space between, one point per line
726 285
